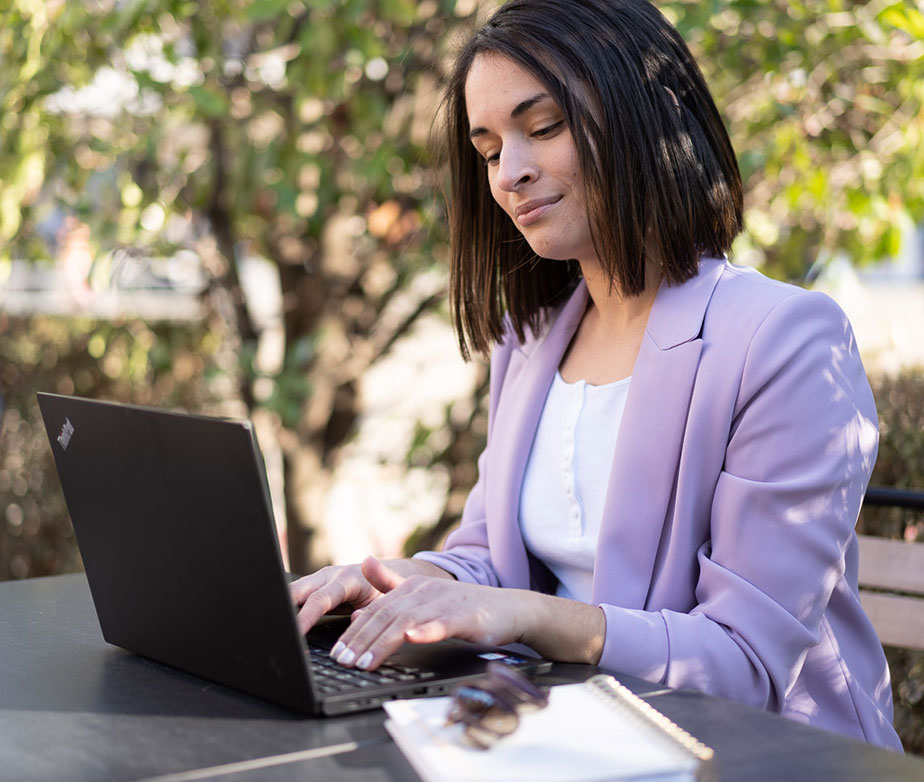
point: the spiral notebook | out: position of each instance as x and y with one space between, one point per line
590 732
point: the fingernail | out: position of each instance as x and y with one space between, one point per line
346 657
338 647
365 661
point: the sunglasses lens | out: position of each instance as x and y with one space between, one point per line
485 728
480 737
500 721
514 682
488 707
474 700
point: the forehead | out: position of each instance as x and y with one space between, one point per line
495 85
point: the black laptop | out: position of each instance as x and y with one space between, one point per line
173 519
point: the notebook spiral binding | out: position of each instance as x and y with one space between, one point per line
609 687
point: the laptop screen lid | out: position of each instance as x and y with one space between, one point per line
172 517
174 522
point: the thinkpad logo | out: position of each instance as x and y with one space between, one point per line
67 432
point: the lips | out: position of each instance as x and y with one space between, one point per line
532 210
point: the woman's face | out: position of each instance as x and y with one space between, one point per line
530 157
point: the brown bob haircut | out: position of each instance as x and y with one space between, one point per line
659 171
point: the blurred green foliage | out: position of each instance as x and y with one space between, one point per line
900 400
293 131
265 118
823 99
907 669
265 114
900 463
297 130
168 366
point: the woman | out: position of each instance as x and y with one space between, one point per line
677 447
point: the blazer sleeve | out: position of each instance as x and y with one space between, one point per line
466 554
799 454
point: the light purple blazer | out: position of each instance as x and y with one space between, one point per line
727 559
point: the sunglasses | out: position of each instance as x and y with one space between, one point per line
490 707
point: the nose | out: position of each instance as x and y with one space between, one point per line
515 167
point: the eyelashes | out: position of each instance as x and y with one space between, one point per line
549 129
542 133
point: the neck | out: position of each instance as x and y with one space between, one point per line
614 310
607 341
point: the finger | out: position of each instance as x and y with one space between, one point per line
301 588
467 612
448 618
380 575
304 586
382 628
427 624
369 627
378 630
428 632
332 587
318 603
386 643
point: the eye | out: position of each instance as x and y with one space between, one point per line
491 160
549 130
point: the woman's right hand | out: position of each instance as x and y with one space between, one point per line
326 589
336 585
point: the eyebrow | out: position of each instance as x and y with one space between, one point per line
521 108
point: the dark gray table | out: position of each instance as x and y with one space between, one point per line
74 708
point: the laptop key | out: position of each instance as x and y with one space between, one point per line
333 677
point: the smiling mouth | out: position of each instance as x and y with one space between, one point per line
528 213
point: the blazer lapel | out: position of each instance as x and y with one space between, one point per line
650 439
516 419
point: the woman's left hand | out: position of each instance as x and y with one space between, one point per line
422 609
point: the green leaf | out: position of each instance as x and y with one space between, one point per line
906 18
402 12
264 10
893 240
209 101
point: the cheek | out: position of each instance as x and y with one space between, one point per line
499 196
575 179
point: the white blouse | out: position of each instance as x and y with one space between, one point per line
564 487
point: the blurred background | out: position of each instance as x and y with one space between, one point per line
231 207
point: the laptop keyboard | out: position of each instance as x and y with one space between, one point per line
331 677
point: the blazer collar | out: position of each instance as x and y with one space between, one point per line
650 440
678 311
516 419
554 340
676 316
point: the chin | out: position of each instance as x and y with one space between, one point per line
557 250
551 253
546 250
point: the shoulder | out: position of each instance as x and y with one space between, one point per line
728 305
761 335
750 287
746 303
787 342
